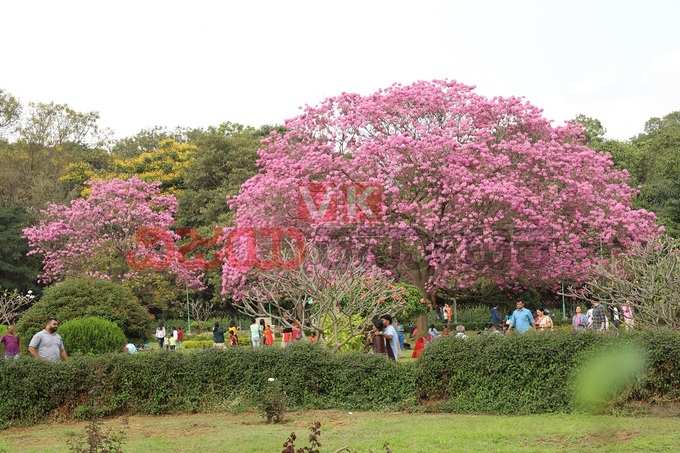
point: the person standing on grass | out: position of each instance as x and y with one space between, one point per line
495 316
627 313
579 321
180 337
377 340
172 342
420 344
255 338
268 336
521 319
297 330
391 337
599 317
175 335
233 336
218 336
12 343
160 335
447 313
543 321
47 344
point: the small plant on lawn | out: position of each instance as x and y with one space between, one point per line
273 401
314 441
98 439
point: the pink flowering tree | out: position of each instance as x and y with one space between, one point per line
96 235
471 187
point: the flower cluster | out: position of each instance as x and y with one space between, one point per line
71 237
472 187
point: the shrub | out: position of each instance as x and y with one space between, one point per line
272 401
197 344
92 335
98 438
163 382
79 297
534 373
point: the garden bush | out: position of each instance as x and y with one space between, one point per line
92 335
164 382
534 373
197 344
79 297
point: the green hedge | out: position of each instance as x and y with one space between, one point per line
533 373
163 382
197 344
92 335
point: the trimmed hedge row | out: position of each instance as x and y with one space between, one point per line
157 383
534 373
517 374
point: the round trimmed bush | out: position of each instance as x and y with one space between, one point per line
81 297
92 335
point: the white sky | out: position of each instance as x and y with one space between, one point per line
198 63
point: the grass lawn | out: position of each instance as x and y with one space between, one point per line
367 432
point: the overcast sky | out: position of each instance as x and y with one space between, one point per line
198 63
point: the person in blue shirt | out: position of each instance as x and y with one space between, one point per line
521 319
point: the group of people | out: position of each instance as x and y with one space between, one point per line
596 318
385 338
433 334
218 333
262 334
45 345
169 340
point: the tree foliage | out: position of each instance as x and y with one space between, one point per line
17 271
473 187
647 279
76 298
338 302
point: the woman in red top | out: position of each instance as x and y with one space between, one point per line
420 344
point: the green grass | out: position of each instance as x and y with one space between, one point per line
367 432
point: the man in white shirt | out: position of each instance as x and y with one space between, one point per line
391 338
160 335
255 338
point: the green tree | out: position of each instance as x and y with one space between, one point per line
226 158
10 111
78 297
145 140
50 124
17 271
658 172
